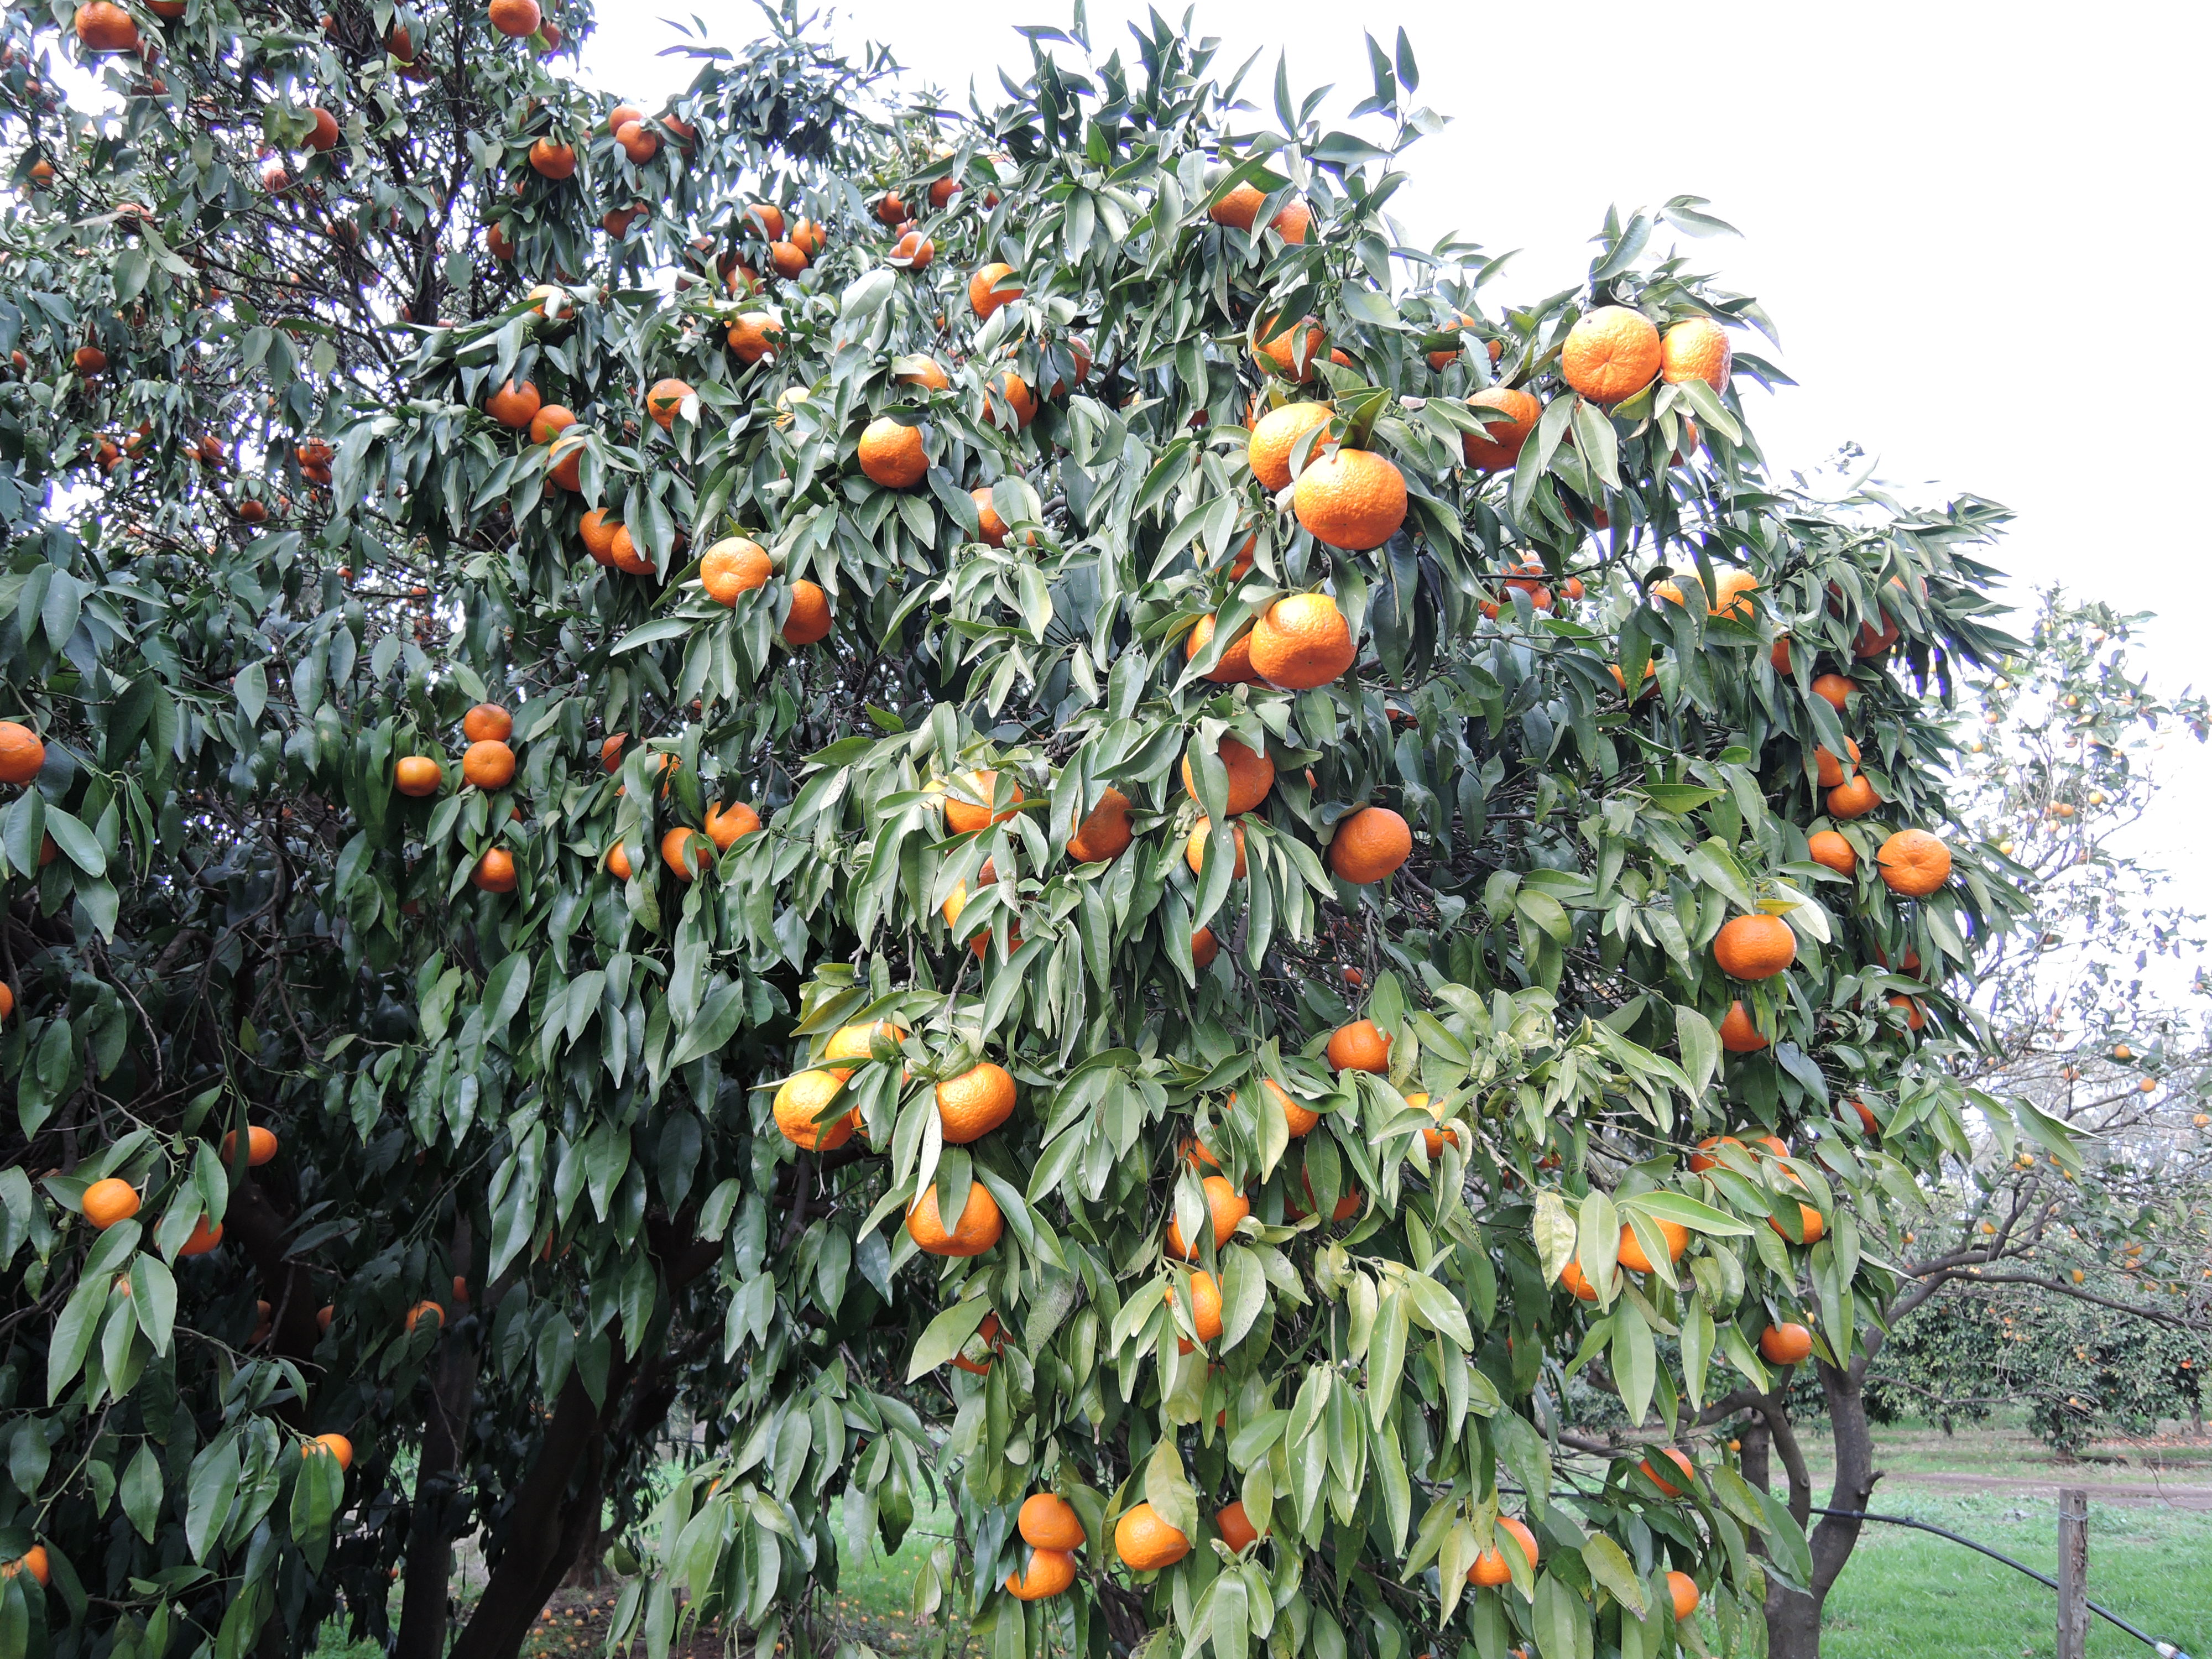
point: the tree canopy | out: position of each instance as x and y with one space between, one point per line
537 628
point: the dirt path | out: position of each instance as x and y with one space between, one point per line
2151 1492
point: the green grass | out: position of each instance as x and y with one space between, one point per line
1907 1594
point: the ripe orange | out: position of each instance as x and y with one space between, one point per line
768 218
1369 845
1915 1015
1204 1305
334 1445
617 862
1301 1118
1738 1034
1359 1047
1350 498
1868 1120
21 752
638 144
1303 641
1574 1279
733 566
1277 435
1145 1542
1828 847
1786 1345
980 1223
514 405
680 851
1238 208
859 1043
598 532
1611 355
1234 666
1015 392
102 26
1700 1162
964 817
1236 1527
202 1238
1809 1222
798 1104
1500 445
1048 1522
1682 1590
260 1145
1489 1570
988 289
989 526
1106 833
665 400
489 764
1696 350
1830 770
728 825
417 776
425 1311
809 618
1833 687
553 160
625 555
1873 642
754 336
1293 224
923 372
1047 1575
1665 1485
487 722
891 454
787 259
1754 947
108 1202
1226 1206
622 115
1853 799
33 1561
971 1105
1433 1140
550 421
495 872
1914 863
915 249
1194 851
1250 775
565 461
514 18
1204 947
1632 1253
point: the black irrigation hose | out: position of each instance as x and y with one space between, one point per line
2164 1649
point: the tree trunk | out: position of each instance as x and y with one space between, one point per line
439 1510
1793 1620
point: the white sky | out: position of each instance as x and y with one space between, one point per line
1973 225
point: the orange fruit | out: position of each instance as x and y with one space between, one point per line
859 1043
809 618
1489 1570
768 218
915 249
1301 1118
1700 1162
1301 642
799 1102
108 1202
1194 851
1786 1345
1868 1121
1205 1308
637 143
1731 593
1444 358
1277 435
1433 1140
787 259
680 851
1239 208
550 422
1234 666
1293 223
335 1445
988 289
979 1227
1872 641
891 454
1236 1527
1915 1015
1914 863
202 1238
665 400
1573 1279
1047 1575
417 776
1145 1542
495 872
1250 775
622 115
1500 445
923 372
1829 769
1809 1222
1632 1253
1368 844
728 825
971 1105
1048 1522
102 26
260 1145
1853 799
1738 1034
1828 847
755 335
1754 947
21 752
553 160
1226 1206
733 566
513 18
565 461
989 526
1204 947
487 722
1358 1047
1015 392
1611 355
1688 1473
623 554
1779 655
1682 1590
513 405
488 764
1290 350
1696 350
1833 687
617 862
1350 498
1106 833
964 817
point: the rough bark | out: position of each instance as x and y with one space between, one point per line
439 1511
1793 1618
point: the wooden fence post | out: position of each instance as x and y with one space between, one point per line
2073 1572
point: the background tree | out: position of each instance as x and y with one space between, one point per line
1297 894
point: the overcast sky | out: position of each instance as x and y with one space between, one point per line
1974 225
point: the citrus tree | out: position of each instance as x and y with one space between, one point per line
1008 810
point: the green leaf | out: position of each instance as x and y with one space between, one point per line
1688 1213
154 1298
140 1490
1610 1566
1168 1490
945 1335
208 1490
74 1332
